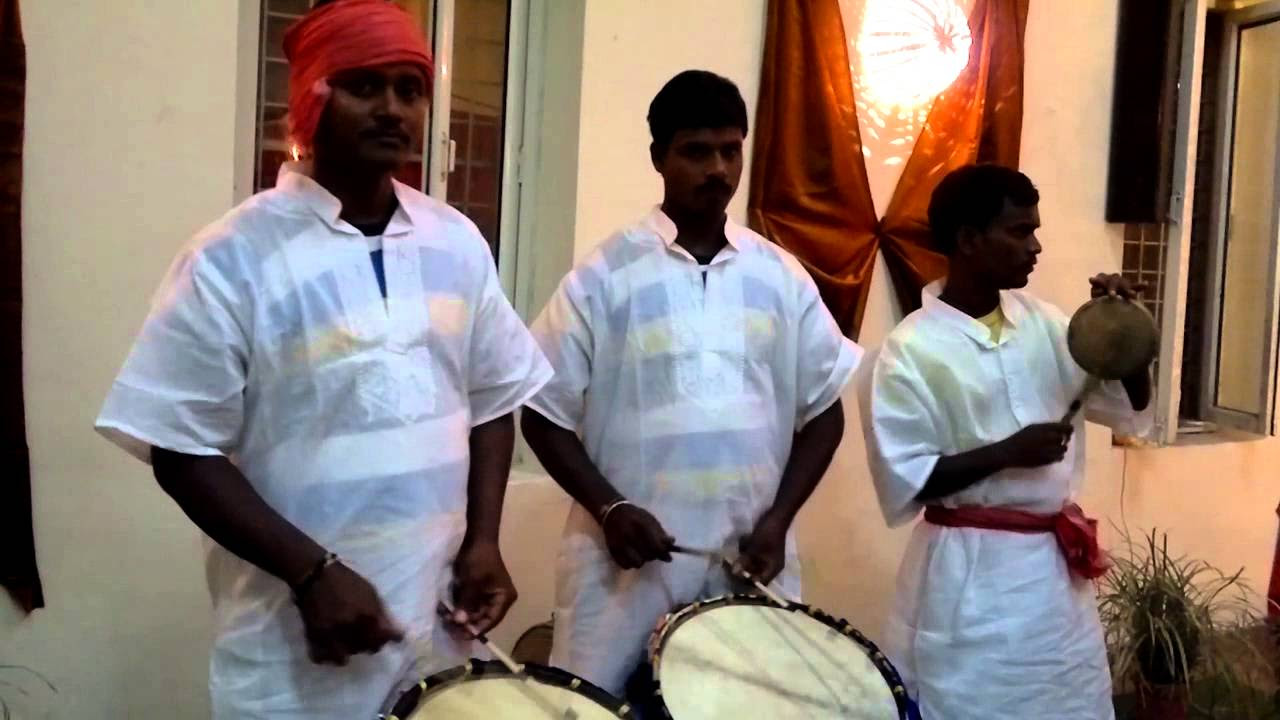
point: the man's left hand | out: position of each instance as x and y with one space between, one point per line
1113 285
764 551
482 590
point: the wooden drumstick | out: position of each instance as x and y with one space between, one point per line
774 597
720 557
1090 385
515 667
699 552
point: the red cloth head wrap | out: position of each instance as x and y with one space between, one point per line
345 35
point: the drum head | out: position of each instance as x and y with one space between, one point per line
742 657
483 690
1112 338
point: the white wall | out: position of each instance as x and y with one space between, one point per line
128 151
630 50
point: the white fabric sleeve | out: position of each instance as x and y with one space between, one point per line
1109 405
901 437
563 331
182 386
825 358
505 366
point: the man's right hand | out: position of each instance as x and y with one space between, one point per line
1037 445
344 616
635 537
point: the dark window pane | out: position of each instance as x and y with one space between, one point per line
269 163
276 26
274 127
275 82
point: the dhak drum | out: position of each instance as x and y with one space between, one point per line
742 656
487 690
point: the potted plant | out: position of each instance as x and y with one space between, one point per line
1182 635
19 688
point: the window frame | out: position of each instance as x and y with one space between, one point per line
1174 296
1177 253
518 140
1263 422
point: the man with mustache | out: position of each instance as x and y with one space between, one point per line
965 413
696 399
325 386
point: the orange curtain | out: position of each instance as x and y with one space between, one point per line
17 548
809 188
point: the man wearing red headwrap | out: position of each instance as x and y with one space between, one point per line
327 43
325 385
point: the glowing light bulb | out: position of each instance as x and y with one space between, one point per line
909 51
296 152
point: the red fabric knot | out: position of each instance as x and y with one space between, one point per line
1078 539
340 36
1077 535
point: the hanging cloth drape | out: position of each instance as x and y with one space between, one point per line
809 187
18 572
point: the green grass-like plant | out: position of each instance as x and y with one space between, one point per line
1177 621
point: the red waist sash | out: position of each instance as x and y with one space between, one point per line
1077 535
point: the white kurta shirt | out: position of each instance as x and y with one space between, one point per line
270 342
687 384
988 624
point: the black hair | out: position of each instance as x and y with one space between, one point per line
695 100
973 196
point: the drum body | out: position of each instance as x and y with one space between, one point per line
486 690
1112 338
743 657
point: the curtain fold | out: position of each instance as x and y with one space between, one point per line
809 187
18 573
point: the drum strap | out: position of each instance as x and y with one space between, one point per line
1077 534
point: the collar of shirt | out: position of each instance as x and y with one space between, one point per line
662 226
932 304
294 179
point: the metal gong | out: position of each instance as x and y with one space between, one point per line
1112 338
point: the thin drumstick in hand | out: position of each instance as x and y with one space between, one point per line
720 557
515 667
773 597
699 552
